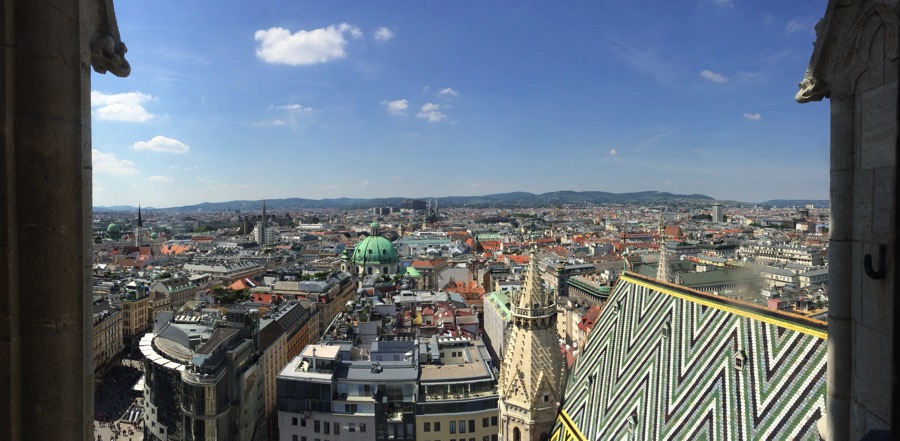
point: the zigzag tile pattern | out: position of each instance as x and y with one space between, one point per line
661 364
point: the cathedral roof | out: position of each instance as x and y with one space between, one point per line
695 366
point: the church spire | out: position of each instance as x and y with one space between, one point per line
137 231
662 272
532 371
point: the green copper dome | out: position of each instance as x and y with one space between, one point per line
375 250
113 228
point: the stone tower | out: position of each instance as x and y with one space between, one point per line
662 271
531 376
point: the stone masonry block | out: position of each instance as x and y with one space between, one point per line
839 304
843 147
878 126
841 204
855 269
876 298
883 199
873 355
862 205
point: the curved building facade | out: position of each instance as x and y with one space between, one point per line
201 378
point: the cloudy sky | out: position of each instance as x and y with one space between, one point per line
270 99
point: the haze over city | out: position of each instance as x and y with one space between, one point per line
234 100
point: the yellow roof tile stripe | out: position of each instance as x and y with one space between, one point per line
699 298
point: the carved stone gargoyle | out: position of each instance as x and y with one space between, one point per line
107 49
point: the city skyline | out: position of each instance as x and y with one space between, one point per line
266 101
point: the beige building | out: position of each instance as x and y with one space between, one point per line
532 373
179 290
135 306
159 301
284 331
107 340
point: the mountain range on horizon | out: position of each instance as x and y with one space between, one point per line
519 198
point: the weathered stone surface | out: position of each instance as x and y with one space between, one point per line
862 205
883 191
842 135
839 300
841 202
876 299
878 126
872 355
855 56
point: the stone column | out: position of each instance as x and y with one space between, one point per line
46 376
840 252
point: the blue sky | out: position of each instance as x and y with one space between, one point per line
271 99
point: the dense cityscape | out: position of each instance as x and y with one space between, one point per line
415 321
449 221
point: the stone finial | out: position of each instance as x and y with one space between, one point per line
107 49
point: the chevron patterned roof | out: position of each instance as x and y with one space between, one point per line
668 362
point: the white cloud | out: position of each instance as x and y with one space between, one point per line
164 179
712 76
448 92
364 184
752 116
121 106
723 3
431 112
163 145
280 46
295 107
613 151
795 26
271 123
383 34
109 164
396 107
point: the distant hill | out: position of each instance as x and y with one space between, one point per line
121 208
783 203
518 198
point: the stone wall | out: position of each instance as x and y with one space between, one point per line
854 63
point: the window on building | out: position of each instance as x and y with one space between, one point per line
437 426
462 426
317 426
452 426
362 427
337 428
295 438
303 422
485 422
427 427
293 421
351 427
493 421
327 428
472 426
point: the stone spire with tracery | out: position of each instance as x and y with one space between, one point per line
532 371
